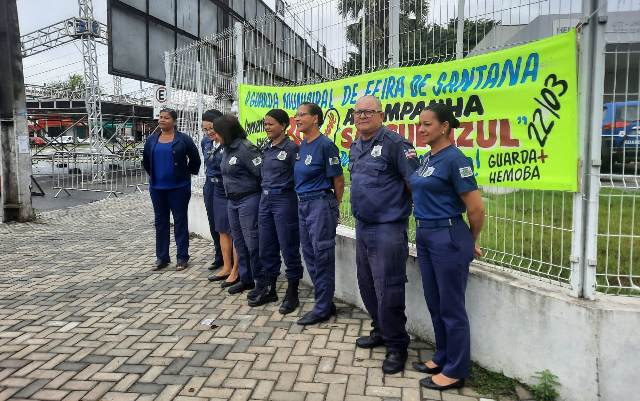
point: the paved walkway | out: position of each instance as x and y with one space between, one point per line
83 318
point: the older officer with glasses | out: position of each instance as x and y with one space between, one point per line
380 163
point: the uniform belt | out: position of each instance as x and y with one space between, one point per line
313 195
276 191
236 196
438 223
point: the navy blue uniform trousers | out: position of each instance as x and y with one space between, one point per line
243 219
381 259
176 202
207 194
318 219
444 255
279 232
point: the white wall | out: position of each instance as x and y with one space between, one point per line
519 326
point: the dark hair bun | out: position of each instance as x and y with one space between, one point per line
211 115
280 116
444 114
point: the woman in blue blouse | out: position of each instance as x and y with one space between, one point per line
170 158
444 188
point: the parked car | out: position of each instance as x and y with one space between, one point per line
620 135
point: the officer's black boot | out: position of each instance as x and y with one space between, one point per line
290 302
266 294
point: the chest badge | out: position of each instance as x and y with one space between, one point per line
376 151
233 161
281 155
307 161
428 172
257 161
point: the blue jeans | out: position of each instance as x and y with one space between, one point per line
175 201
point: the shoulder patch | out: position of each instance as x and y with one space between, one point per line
410 153
333 161
466 172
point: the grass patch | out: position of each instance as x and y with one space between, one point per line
492 384
531 231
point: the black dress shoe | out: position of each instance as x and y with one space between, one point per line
240 287
428 383
422 368
216 264
394 362
181 265
264 296
226 284
369 342
310 318
215 277
160 264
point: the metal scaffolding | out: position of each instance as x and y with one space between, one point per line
89 31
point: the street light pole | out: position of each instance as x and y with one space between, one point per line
15 157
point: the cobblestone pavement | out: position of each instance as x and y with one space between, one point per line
83 318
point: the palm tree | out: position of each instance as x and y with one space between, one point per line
420 42
375 15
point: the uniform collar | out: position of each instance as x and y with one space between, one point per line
375 137
282 144
235 143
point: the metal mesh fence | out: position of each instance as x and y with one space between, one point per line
618 231
537 233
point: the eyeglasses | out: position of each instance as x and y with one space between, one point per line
208 129
298 115
365 113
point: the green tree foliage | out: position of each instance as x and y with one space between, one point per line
421 42
75 83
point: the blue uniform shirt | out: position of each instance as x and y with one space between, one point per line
212 152
240 167
317 163
380 169
436 186
277 165
163 177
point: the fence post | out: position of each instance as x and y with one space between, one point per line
239 53
167 75
590 95
394 33
200 99
460 31
363 46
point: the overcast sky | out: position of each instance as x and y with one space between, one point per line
59 63
319 17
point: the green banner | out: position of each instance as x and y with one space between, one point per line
517 108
